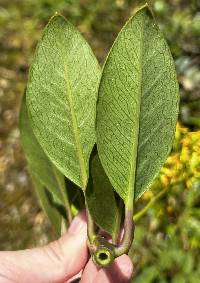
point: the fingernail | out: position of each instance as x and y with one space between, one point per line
78 224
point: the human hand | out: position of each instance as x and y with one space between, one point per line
60 261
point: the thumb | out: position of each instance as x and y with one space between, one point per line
54 263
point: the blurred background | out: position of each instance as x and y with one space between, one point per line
167 240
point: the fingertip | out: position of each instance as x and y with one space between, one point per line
74 246
120 271
125 266
89 273
79 224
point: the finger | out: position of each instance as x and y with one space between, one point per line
56 262
89 273
76 278
119 272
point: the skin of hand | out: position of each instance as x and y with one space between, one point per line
60 261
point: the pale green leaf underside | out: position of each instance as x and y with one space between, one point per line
38 162
50 210
61 98
101 200
138 106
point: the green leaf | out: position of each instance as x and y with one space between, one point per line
148 275
179 278
38 162
61 98
138 106
101 199
48 206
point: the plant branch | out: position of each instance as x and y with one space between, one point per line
103 252
128 236
67 206
142 212
115 236
90 224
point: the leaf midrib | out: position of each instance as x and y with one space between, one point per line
75 130
131 185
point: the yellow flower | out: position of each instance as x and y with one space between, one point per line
173 159
147 195
195 160
197 148
185 155
189 183
183 165
164 180
168 172
186 141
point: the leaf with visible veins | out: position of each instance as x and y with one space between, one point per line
138 106
61 98
49 208
39 163
101 199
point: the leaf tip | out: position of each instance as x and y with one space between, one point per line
145 7
142 7
56 17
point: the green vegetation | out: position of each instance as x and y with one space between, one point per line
66 88
167 242
168 237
